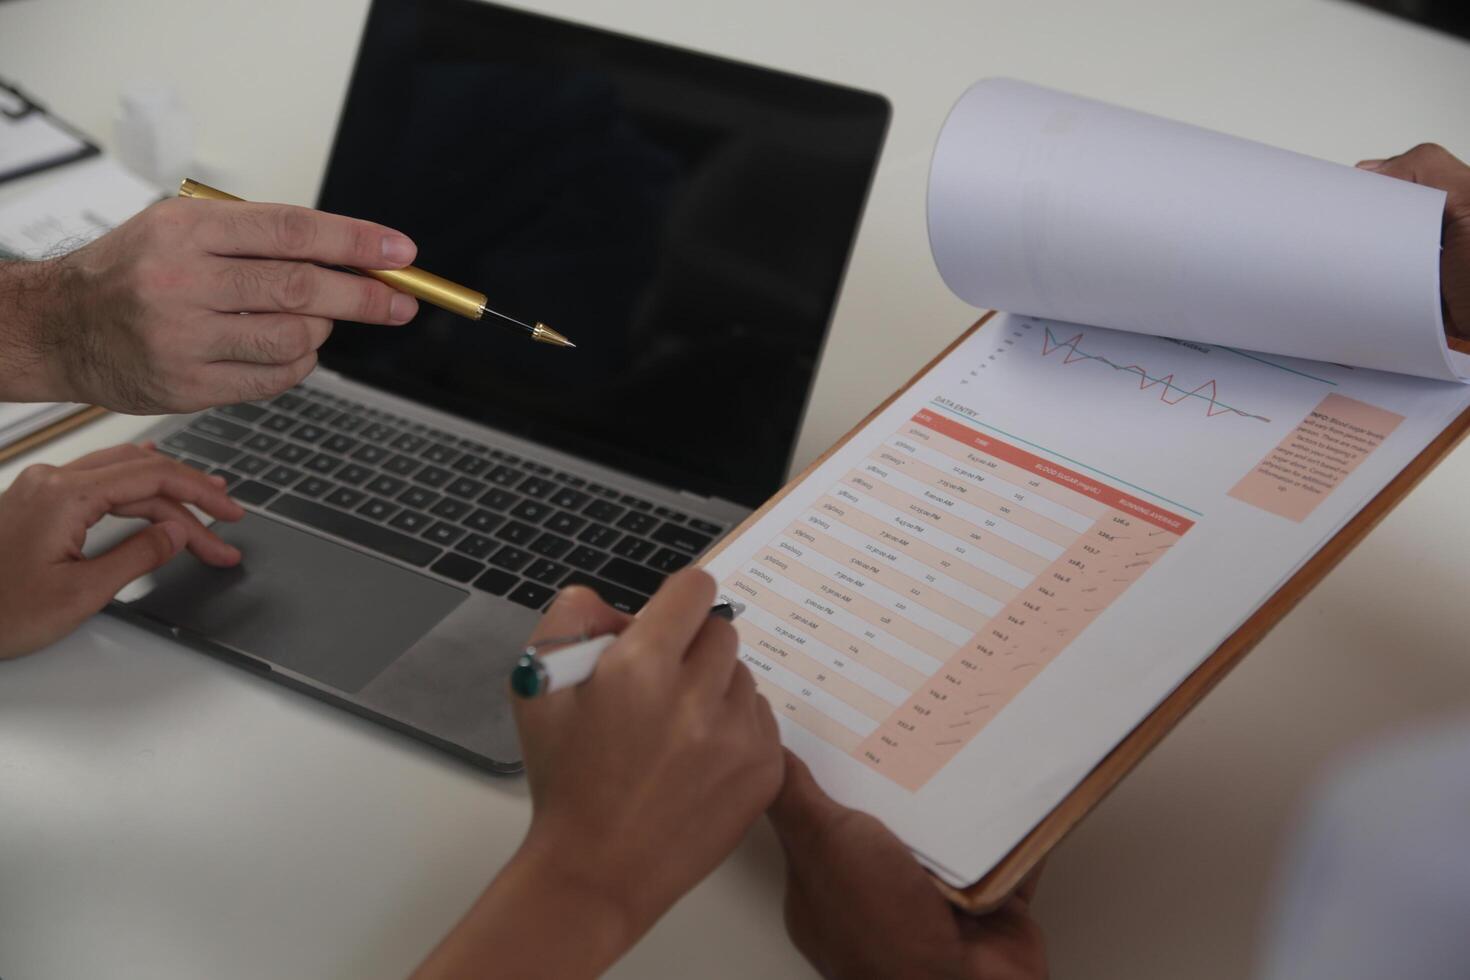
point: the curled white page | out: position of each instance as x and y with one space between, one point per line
1056 206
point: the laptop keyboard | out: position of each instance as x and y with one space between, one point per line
481 516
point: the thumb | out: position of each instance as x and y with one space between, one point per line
104 576
801 809
578 611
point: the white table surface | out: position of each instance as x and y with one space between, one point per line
163 815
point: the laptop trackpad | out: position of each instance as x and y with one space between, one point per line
328 612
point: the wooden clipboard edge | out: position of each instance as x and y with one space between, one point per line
991 891
55 430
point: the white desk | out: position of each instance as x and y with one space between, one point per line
163 815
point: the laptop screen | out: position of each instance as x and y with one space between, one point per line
684 219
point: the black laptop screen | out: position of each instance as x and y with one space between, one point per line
683 218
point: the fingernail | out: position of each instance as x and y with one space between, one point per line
398 250
177 536
402 307
1370 164
217 480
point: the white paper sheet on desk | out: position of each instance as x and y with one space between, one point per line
71 206
32 138
1057 206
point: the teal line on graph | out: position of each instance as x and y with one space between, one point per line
1074 462
1280 367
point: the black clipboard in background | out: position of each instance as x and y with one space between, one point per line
24 119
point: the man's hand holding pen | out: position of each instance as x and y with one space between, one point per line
148 318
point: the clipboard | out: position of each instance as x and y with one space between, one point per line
55 430
992 890
60 142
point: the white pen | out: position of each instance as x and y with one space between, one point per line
551 665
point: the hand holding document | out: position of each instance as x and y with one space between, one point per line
1216 355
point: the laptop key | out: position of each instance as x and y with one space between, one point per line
532 595
291 453
353 474
504 476
418 497
313 486
602 510
433 476
450 509
634 548
374 537
551 546
457 567
244 411
498 498
385 486
475 545
339 444
440 453
444 533
345 497
683 537
585 558
250 465
704 527
483 520
471 465
563 523
465 487
200 447
347 422
569 499
517 533
668 561
531 510
411 520
512 558
230 478
409 443
401 465
318 412
637 522
599 536
534 486
378 432
262 443
378 509
220 428
288 401
281 476
279 423
323 463
636 503
640 578
544 571
617 596
372 455
495 582
251 492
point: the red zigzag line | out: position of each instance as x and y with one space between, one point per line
1144 381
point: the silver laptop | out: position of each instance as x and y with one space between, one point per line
415 505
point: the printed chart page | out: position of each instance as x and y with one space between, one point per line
962 610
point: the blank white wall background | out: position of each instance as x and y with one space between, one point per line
1168 877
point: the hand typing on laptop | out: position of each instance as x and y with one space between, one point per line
642 780
46 587
147 318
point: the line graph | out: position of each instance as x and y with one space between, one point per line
1207 392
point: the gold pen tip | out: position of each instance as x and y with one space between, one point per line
541 332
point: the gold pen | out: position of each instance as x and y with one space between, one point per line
416 282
